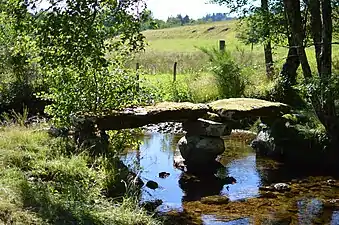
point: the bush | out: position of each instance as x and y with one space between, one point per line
230 80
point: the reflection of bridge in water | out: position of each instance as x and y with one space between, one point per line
240 162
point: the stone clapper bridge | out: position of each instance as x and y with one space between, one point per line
204 124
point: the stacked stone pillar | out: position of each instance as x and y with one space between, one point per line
202 144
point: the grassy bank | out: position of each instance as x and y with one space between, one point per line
43 180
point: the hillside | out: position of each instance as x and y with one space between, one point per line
208 31
186 38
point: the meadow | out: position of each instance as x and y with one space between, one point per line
194 80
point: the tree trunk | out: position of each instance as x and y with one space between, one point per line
332 123
324 109
289 75
316 29
267 45
289 70
292 8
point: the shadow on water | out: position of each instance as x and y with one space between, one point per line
177 190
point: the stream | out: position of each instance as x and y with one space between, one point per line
304 204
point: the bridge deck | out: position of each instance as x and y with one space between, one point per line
226 110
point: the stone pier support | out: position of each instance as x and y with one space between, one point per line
202 144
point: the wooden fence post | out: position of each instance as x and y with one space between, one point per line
137 66
175 71
222 45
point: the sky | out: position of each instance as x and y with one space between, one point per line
162 9
195 9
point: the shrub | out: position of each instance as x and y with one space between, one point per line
228 74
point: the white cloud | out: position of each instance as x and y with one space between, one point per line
195 9
162 9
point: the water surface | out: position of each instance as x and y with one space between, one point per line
156 153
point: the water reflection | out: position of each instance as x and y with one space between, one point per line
212 220
156 153
335 218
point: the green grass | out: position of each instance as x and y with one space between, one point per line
44 181
181 45
195 87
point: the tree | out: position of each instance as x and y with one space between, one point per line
322 95
310 21
264 12
186 20
71 39
18 76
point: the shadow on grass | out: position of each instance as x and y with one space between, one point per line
52 208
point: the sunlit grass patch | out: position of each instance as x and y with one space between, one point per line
43 182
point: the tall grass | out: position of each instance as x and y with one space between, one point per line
154 62
231 82
44 181
195 87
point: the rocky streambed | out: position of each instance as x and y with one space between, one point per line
248 189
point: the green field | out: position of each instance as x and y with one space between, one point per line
181 45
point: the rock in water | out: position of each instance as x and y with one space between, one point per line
151 206
215 200
268 194
202 127
164 174
281 187
152 185
200 149
264 144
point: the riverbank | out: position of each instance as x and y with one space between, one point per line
44 180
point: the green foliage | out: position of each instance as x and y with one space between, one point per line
72 56
260 26
321 88
19 78
228 73
45 181
15 117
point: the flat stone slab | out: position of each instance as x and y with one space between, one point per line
161 112
226 109
206 128
240 108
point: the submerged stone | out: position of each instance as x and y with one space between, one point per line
215 200
266 188
331 181
151 206
268 194
331 203
152 185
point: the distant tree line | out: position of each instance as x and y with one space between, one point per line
180 20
